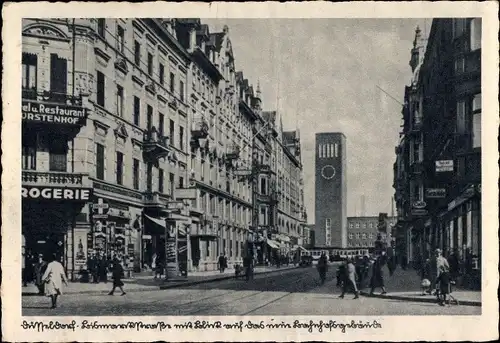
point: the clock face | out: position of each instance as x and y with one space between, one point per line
328 172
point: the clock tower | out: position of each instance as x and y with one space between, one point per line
331 190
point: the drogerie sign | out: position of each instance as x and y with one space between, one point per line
52 113
56 193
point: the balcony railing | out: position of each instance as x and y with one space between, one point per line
199 128
51 97
51 178
155 145
155 199
232 152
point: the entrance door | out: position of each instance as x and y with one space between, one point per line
46 244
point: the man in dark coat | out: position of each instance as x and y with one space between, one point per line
377 279
322 267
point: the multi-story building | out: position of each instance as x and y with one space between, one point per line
124 149
331 190
437 174
134 127
364 231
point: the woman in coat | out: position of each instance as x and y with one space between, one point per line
322 267
117 275
377 279
350 279
54 276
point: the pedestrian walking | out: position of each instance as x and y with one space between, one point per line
103 269
377 279
221 263
349 279
40 268
248 265
117 275
159 267
53 278
442 278
322 267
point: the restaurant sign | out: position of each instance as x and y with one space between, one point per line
53 113
444 166
56 193
435 193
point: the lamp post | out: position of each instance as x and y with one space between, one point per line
188 248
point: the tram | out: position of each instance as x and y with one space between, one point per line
334 254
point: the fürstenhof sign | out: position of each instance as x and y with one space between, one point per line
56 193
53 113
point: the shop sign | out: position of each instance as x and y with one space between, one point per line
57 114
444 166
418 212
419 205
100 216
175 205
56 193
435 193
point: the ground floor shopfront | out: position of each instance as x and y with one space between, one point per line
456 229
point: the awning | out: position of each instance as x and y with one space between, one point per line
273 244
157 221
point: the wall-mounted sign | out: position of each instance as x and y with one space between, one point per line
52 113
444 166
175 205
435 193
418 212
56 193
419 204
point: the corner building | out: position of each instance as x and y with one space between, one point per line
437 174
330 190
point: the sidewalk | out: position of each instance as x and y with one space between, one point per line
405 285
148 283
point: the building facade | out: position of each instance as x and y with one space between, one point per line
437 174
331 190
134 129
363 232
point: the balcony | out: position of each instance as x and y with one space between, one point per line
199 128
155 146
52 178
155 200
51 108
232 152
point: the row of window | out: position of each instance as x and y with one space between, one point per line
364 225
137 53
361 235
100 157
469 119
57 78
328 150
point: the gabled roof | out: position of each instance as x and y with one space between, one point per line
216 40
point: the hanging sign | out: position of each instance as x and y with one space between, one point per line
444 166
435 193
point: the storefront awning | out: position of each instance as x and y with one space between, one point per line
273 244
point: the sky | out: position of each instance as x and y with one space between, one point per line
324 75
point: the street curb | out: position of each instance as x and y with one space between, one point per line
163 287
418 299
180 283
